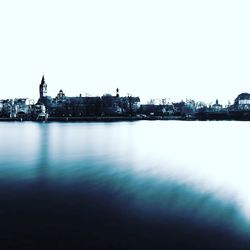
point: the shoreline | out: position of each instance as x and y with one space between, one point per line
95 119
122 119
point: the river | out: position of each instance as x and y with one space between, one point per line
125 185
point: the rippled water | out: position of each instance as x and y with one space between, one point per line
125 185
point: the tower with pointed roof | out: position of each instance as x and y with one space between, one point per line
117 93
43 88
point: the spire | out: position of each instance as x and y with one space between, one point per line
43 80
43 88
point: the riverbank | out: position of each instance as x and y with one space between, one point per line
239 116
99 119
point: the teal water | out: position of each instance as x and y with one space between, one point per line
125 185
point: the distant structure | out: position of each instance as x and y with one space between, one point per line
78 106
117 93
115 105
43 88
16 108
216 107
242 102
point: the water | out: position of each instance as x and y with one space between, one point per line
125 185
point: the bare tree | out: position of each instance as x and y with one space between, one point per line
151 101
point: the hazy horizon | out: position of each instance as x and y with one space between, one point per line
151 49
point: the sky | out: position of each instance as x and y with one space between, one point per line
152 49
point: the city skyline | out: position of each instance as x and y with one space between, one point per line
156 100
175 50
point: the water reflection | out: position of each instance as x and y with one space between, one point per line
42 156
103 185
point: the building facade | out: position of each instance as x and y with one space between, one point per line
78 106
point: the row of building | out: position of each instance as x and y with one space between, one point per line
108 105
64 106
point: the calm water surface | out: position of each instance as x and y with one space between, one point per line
125 185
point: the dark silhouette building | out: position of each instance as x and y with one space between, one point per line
43 88
64 106
242 102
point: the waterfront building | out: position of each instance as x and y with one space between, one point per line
43 88
242 102
22 107
6 108
152 109
216 107
116 105
112 105
189 108
149 109
134 103
39 112
178 107
16 108
1 106
64 106
75 106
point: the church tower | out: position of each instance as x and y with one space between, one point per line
43 88
117 93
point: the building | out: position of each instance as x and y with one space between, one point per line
216 107
6 107
117 105
64 106
242 102
17 108
43 88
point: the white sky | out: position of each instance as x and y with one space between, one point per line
174 49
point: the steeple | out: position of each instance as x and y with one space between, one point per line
43 88
117 92
43 80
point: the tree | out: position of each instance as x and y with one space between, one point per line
151 101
